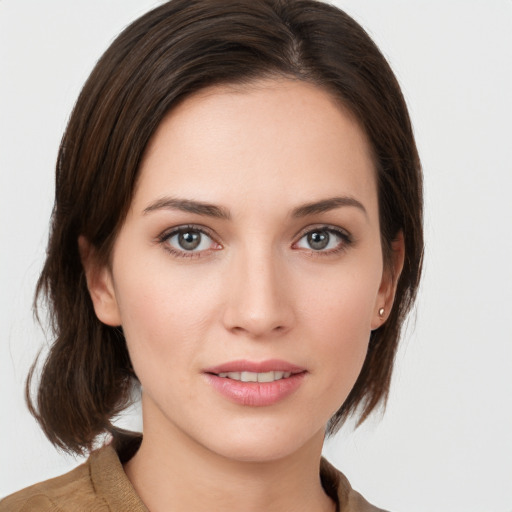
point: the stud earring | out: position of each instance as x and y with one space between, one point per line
381 312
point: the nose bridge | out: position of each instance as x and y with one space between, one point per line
257 303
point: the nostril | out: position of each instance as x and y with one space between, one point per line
255 331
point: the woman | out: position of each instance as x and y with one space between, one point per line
238 228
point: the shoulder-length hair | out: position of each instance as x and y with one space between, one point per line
179 48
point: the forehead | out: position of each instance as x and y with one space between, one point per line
285 136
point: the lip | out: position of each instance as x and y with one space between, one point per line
242 365
255 394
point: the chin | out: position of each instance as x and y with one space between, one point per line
260 445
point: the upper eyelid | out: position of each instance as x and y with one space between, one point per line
320 227
167 233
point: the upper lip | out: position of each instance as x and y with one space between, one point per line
275 365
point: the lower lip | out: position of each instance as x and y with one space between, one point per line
256 394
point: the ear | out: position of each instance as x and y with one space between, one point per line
390 276
100 285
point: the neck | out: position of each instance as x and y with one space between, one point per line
171 471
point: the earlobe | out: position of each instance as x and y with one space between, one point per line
388 285
100 285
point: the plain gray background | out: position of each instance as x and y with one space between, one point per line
445 442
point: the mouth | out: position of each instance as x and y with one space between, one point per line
270 376
256 384
270 370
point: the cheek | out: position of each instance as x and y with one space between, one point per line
342 301
163 314
339 318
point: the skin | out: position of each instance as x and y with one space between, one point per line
255 290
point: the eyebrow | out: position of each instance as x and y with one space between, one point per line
326 205
211 210
190 206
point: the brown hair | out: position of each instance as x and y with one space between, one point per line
164 56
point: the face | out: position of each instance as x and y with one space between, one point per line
248 274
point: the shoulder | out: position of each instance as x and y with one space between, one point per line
338 487
98 485
71 491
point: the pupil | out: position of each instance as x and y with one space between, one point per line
318 239
189 240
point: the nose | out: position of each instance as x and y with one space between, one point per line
259 302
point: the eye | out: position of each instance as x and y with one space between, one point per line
188 241
323 239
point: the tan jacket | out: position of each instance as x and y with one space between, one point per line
101 485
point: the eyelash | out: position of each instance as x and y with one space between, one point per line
345 240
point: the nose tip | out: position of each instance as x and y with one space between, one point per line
255 323
258 303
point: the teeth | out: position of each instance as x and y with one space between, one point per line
248 377
256 377
269 376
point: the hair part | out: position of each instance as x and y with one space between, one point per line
163 57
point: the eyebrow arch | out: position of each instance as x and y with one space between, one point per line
188 205
326 205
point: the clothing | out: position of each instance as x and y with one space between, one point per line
101 485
